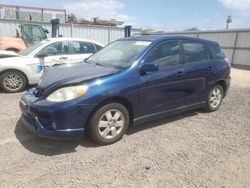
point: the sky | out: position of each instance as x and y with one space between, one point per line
165 15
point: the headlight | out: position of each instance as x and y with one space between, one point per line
67 93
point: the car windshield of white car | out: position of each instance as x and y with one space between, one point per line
30 49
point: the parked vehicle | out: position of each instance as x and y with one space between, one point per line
29 35
130 81
27 68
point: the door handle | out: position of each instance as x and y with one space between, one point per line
179 74
210 68
63 58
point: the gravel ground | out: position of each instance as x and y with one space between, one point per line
194 149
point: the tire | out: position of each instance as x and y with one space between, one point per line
214 98
13 81
108 124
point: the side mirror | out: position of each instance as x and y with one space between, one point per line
41 55
148 67
46 31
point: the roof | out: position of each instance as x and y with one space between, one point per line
69 38
154 38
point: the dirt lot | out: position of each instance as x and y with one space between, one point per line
195 149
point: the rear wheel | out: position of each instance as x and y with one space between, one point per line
13 81
214 98
109 123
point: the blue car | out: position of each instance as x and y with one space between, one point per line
131 81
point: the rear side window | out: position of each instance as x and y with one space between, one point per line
80 47
215 51
193 52
165 54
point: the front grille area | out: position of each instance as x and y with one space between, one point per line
28 119
46 123
38 92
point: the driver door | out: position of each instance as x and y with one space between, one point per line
162 90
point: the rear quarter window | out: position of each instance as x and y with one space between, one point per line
215 51
194 52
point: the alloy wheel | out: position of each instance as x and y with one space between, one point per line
215 97
13 82
111 123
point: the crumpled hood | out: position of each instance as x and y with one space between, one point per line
67 74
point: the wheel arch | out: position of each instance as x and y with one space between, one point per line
17 70
115 99
223 84
13 49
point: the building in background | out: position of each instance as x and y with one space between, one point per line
38 14
71 18
31 13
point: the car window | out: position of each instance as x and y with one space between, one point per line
165 54
38 33
215 51
30 49
56 48
32 34
80 47
98 47
26 35
193 52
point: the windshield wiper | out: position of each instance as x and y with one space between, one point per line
103 65
86 60
99 64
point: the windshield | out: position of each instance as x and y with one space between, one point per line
30 49
119 54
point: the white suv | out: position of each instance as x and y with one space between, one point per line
27 68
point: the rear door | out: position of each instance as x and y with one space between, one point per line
162 90
199 71
81 50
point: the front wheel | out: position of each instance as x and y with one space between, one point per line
214 98
13 81
109 123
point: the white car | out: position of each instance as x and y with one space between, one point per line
27 68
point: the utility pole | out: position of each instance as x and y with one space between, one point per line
228 20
